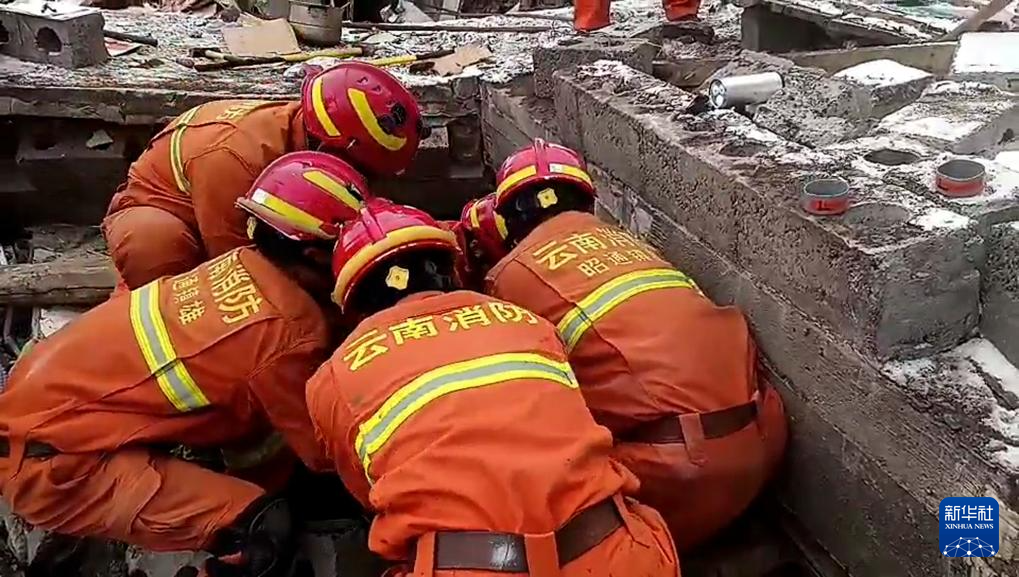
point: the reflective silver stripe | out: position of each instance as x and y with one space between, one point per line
176 151
154 341
610 294
376 430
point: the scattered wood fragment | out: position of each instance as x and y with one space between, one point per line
67 282
990 10
442 27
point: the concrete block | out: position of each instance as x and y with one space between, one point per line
433 156
54 33
964 118
889 84
634 52
999 288
511 117
869 501
897 275
989 57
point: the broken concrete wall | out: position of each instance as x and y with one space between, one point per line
710 172
870 457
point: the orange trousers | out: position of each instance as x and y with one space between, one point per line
641 548
133 495
147 243
701 485
591 15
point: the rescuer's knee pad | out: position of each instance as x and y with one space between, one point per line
260 543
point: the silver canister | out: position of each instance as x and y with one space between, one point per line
733 91
315 22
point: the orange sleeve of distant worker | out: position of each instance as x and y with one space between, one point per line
280 390
218 178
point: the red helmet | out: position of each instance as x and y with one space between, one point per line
306 195
480 221
540 162
366 113
382 230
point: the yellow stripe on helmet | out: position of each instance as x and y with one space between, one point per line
366 256
359 101
289 212
333 187
318 103
515 178
571 171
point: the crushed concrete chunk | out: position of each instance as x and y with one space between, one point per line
890 84
965 118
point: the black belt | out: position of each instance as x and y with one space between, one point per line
716 424
506 552
33 449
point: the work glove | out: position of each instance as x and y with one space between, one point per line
262 542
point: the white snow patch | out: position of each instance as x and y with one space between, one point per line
987 52
990 359
937 218
903 371
962 88
876 23
1006 455
822 6
752 132
944 129
881 73
1009 159
610 68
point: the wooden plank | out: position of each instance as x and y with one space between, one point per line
69 282
934 57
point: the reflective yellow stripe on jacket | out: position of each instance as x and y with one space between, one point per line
154 341
176 156
608 296
481 372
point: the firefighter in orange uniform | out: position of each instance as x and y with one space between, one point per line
671 374
216 357
591 15
177 207
456 419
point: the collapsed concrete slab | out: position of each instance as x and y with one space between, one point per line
721 176
965 118
634 52
999 320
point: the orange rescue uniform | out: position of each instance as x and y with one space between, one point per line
591 15
671 374
458 412
177 207
216 357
